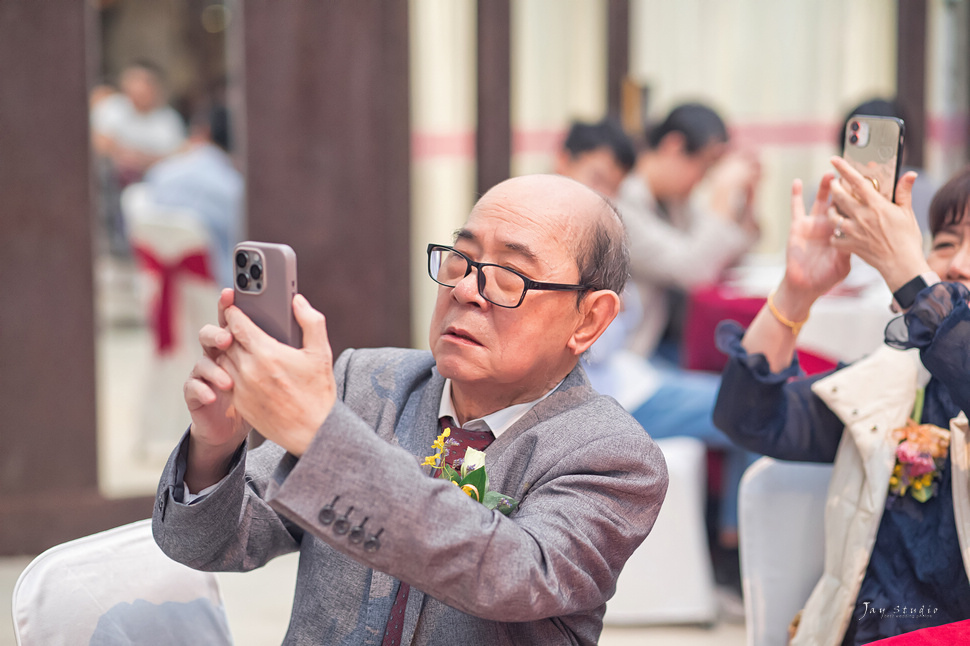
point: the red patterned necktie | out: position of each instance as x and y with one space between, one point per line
457 441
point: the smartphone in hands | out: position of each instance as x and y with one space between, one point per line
874 147
265 284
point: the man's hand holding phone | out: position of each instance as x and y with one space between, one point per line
217 428
247 379
286 393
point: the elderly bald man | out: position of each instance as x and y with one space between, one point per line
389 554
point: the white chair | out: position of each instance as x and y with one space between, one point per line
164 239
170 236
669 579
780 523
116 587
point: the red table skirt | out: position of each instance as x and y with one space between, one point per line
945 635
708 306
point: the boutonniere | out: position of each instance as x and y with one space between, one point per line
471 478
920 455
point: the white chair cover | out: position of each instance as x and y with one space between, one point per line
170 235
782 543
116 588
669 579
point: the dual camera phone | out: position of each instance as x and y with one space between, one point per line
874 147
264 280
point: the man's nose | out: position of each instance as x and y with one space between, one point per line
466 289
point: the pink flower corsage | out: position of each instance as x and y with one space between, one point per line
919 457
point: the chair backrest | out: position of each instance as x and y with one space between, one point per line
676 551
780 523
169 233
178 281
116 587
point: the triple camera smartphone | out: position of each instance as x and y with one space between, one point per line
874 146
265 284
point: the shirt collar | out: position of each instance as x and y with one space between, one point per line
497 422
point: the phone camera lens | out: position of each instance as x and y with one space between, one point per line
256 271
854 139
242 280
241 259
855 126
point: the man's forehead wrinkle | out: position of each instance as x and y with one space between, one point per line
517 247
521 249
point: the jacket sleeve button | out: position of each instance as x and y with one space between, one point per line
373 543
327 514
342 525
357 533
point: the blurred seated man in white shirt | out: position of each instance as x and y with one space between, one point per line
678 243
135 128
130 130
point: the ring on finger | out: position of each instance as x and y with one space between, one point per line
839 233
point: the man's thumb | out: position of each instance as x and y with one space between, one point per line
313 323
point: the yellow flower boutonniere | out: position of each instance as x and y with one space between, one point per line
472 478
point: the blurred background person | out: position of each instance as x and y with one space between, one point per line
130 130
203 181
136 127
598 155
675 246
99 93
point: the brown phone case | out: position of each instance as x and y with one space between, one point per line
874 147
266 293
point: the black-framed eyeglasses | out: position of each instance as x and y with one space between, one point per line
496 284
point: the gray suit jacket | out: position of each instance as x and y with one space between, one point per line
589 480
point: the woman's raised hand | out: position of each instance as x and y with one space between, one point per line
813 265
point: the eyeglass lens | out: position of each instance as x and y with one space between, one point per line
502 286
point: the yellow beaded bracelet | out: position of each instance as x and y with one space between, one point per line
794 326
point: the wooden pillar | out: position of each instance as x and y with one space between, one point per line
493 139
326 153
618 52
911 74
48 432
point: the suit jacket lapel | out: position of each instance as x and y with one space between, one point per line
417 428
568 395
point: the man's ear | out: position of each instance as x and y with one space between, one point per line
562 162
673 142
599 308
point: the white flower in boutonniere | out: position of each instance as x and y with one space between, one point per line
474 459
472 478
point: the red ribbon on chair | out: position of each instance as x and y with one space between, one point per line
195 263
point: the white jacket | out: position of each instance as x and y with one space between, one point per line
873 397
